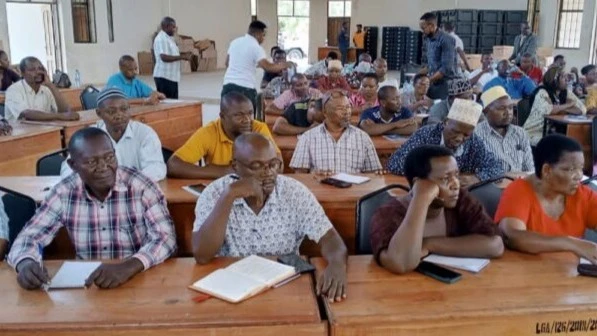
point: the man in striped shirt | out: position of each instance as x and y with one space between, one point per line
335 146
509 143
110 212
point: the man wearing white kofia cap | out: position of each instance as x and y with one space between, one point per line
475 161
510 143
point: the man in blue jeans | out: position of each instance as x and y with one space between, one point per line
344 42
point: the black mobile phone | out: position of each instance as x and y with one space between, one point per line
299 264
587 270
438 272
335 183
198 188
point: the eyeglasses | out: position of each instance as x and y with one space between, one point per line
274 165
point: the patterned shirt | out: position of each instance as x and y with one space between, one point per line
475 157
441 54
353 153
290 213
374 114
409 98
289 96
164 44
357 100
516 88
133 221
276 87
318 69
4 231
513 149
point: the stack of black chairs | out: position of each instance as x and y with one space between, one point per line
372 33
393 47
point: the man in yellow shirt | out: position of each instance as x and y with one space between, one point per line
213 142
358 38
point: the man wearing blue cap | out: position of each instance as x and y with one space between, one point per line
136 144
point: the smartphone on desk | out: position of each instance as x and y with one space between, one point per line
335 183
587 270
438 272
295 260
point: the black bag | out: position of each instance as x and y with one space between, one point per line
61 80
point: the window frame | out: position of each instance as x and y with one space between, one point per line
91 21
343 11
293 15
557 43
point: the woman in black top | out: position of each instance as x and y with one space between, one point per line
7 75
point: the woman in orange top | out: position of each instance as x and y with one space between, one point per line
550 210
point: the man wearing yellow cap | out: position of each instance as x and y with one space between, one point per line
475 160
510 143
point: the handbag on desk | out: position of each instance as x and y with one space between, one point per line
61 80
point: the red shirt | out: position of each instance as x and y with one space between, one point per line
535 74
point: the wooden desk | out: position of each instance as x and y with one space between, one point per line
157 302
515 295
384 147
21 150
174 123
580 130
72 97
322 53
339 206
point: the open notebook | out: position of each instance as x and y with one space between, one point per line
467 264
353 179
243 279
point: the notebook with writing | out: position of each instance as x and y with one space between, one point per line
243 279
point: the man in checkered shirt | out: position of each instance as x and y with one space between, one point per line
335 146
110 212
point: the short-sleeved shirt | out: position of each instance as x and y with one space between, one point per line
165 44
517 88
296 114
535 74
134 88
290 213
374 114
520 201
484 79
20 97
353 153
210 142
468 217
244 54
289 96
359 40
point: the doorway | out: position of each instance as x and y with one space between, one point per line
293 30
39 37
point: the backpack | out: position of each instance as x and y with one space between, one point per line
61 80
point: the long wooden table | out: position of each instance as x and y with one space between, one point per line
71 95
157 302
516 295
338 204
580 130
173 122
21 150
384 147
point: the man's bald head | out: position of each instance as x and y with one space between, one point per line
80 138
249 145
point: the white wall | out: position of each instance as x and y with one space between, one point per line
28 39
4 27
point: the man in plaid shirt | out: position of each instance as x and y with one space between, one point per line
110 212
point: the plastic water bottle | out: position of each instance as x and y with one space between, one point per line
326 42
407 87
77 78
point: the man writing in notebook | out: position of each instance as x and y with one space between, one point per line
435 217
257 211
110 212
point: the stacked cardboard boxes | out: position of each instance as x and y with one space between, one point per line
501 52
145 60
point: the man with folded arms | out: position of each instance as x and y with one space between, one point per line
335 146
435 217
257 211
475 162
390 117
110 212
136 144
213 142
299 118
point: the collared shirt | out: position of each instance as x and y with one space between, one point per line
133 221
513 150
139 148
4 231
353 153
476 158
20 97
318 69
441 54
542 106
165 44
289 96
484 79
374 114
134 88
290 213
244 54
210 142
516 88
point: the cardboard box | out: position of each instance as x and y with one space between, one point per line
209 52
145 61
204 44
186 45
502 52
474 61
544 51
185 67
208 64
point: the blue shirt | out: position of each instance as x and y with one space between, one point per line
131 88
475 158
441 54
343 41
375 115
516 88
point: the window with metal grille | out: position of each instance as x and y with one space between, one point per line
83 12
569 24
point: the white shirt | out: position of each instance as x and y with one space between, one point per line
290 213
458 40
164 44
3 222
484 79
389 82
20 97
139 148
244 54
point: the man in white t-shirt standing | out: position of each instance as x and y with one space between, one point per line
245 54
166 72
461 56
